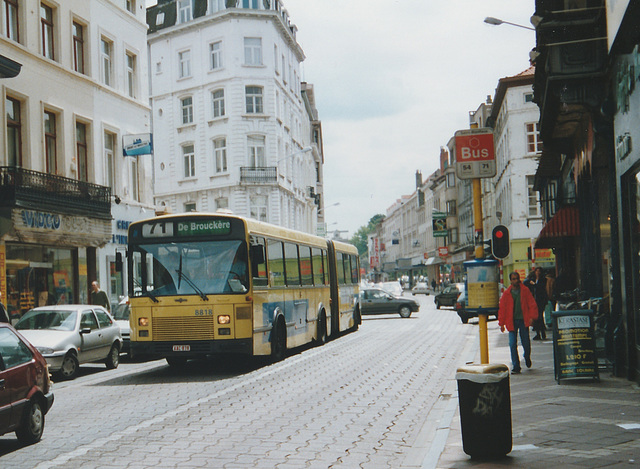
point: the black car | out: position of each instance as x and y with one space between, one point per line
379 301
449 295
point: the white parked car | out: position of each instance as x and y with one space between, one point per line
70 335
121 315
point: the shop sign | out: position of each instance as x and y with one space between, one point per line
443 251
35 219
3 274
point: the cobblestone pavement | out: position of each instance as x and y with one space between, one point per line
377 398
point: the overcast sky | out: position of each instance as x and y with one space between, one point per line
394 80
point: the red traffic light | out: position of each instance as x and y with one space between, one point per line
500 245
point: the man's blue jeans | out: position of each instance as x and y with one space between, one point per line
518 325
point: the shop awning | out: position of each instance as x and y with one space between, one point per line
565 224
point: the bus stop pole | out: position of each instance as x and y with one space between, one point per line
479 253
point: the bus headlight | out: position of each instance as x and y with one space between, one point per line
143 322
224 319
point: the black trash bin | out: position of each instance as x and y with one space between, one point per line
485 409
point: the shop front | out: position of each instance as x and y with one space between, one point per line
45 257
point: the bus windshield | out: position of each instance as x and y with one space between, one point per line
191 267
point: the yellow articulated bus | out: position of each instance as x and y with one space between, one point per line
204 284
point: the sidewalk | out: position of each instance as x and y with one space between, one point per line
576 424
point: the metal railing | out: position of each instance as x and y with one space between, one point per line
32 189
259 175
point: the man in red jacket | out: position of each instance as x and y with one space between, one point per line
517 311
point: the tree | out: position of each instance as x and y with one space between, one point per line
361 238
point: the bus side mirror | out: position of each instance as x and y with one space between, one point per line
118 262
257 254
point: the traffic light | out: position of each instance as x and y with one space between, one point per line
500 242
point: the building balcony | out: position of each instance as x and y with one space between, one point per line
41 191
259 175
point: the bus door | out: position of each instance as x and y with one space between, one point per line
335 295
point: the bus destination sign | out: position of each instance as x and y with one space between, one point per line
203 227
167 229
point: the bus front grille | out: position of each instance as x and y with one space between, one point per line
183 328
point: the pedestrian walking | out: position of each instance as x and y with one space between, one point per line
433 284
99 297
537 284
516 312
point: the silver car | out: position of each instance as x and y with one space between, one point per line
70 335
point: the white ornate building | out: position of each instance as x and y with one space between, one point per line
234 125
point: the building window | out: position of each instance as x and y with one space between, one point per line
110 161
189 206
82 156
12 22
534 143
184 63
451 207
220 153
186 105
252 51
222 202
131 66
253 99
216 6
217 100
528 97
453 235
106 61
50 142
252 4
14 132
258 207
189 158
133 181
533 201
451 180
185 11
276 56
78 47
131 6
256 151
215 51
46 30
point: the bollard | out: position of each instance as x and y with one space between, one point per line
485 409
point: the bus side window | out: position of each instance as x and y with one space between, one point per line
347 268
354 269
325 266
275 262
258 262
318 266
292 268
306 274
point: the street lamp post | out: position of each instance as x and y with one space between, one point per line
497 22
303 150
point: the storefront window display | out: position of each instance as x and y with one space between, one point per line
39 276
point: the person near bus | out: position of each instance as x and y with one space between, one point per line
99 297
516 312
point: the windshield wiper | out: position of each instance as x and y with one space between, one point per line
148 292
182 275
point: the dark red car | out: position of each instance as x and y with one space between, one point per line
25 387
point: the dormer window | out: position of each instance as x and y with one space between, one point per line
160 18
185 11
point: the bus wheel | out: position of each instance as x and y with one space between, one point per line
176 362
322 330
278 341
